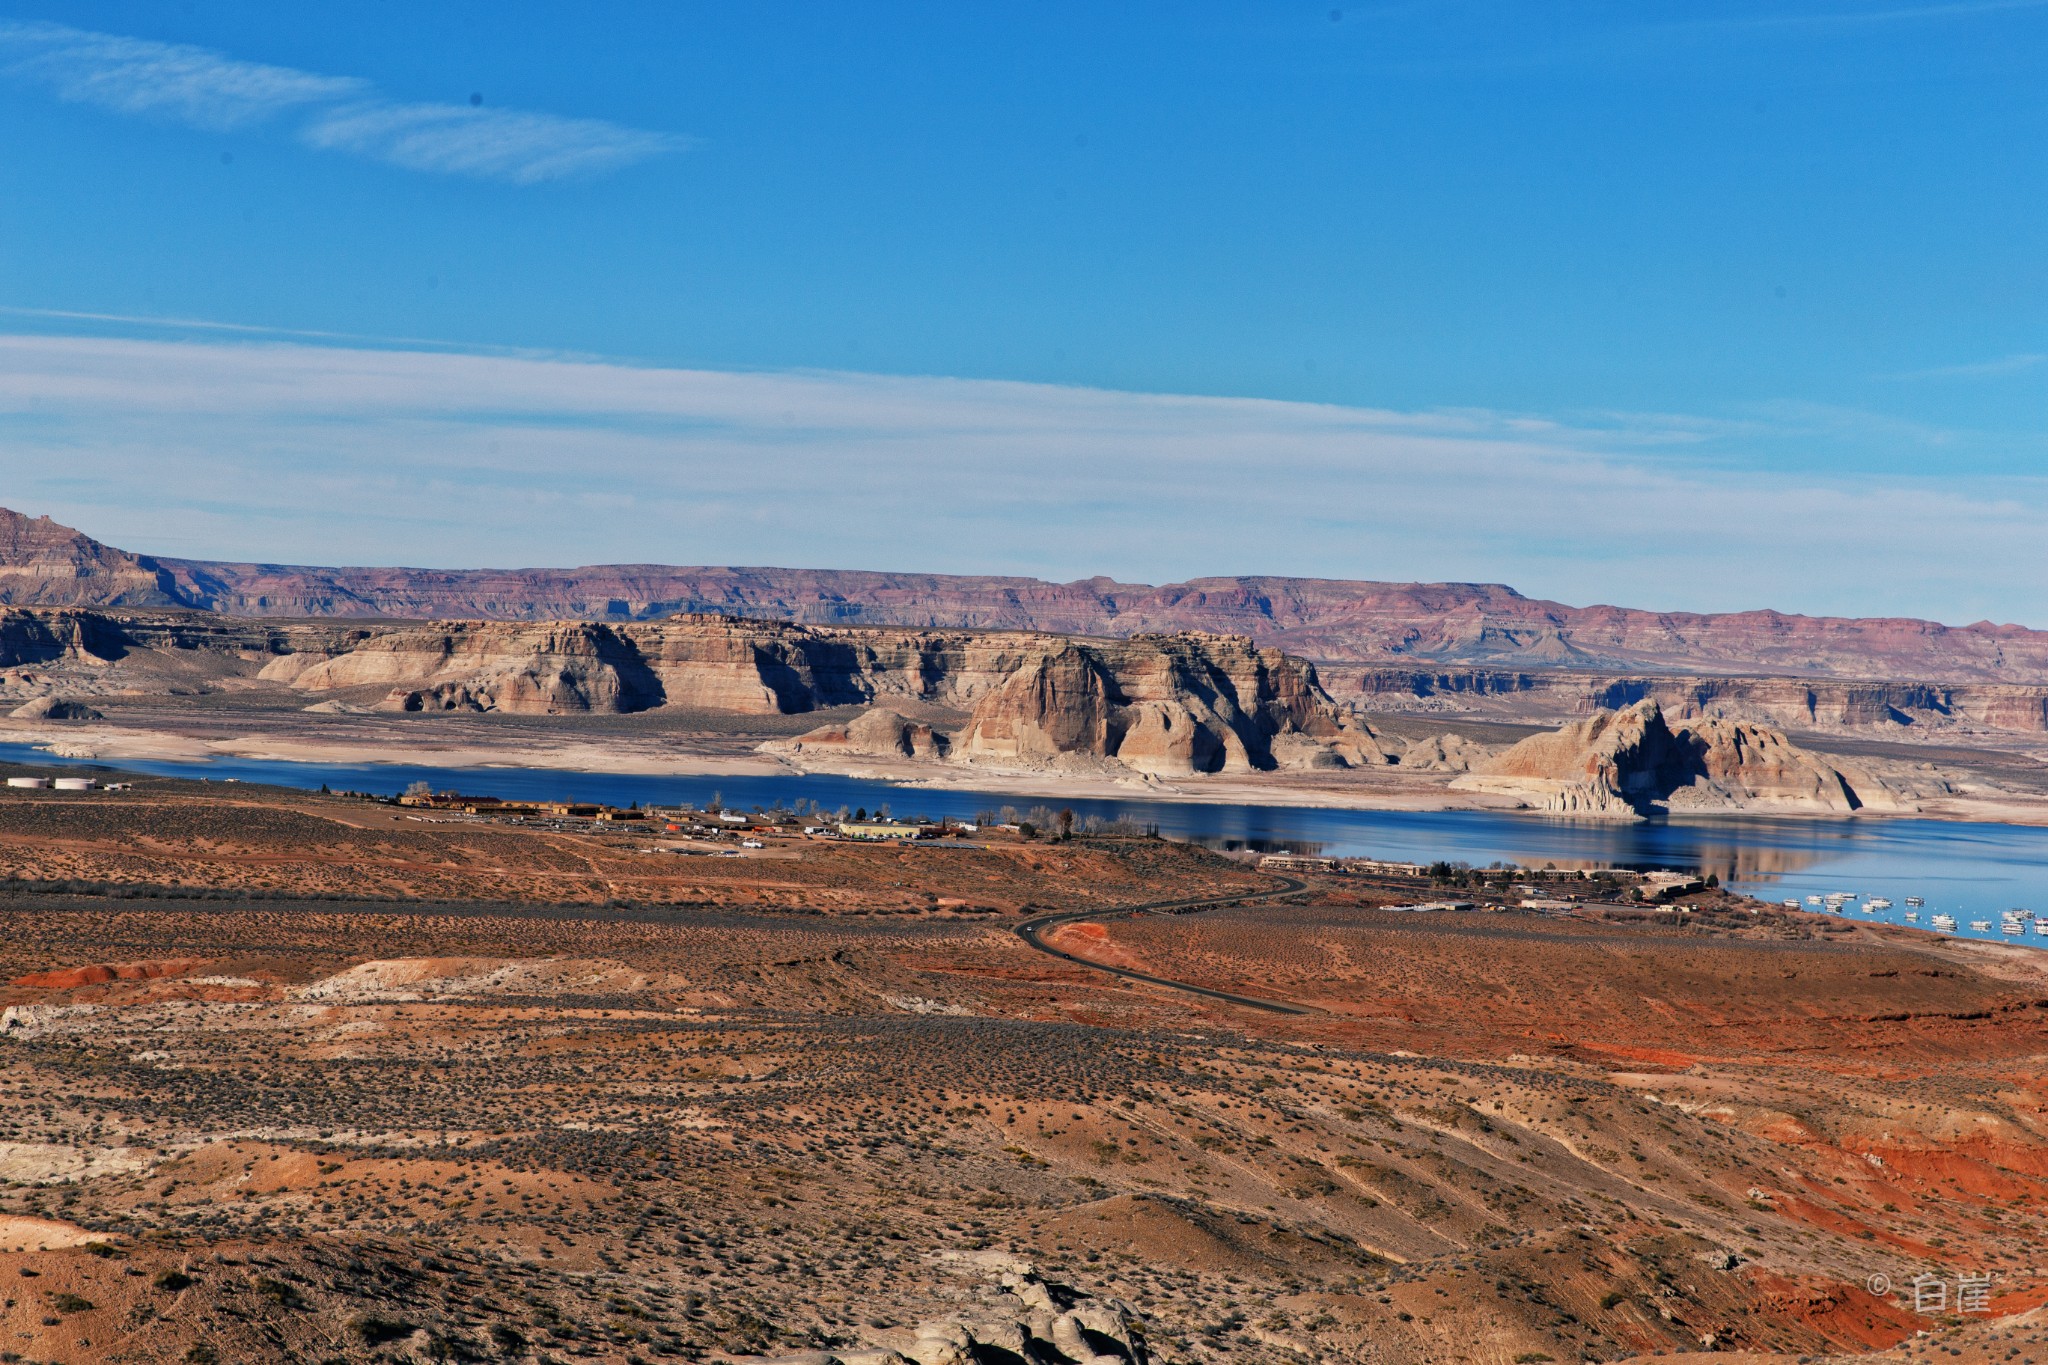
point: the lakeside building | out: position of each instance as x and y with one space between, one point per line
1297 862
491 805
881 829
1379 867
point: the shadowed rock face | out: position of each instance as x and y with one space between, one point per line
1175 704
1161 705
1628 763
1324 619
1167 706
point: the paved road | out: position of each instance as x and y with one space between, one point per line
1032 931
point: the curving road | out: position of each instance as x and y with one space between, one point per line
1032 931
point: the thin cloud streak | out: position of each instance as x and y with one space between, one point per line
495 144
190 85
303 453
205 89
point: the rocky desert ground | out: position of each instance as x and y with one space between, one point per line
291 1077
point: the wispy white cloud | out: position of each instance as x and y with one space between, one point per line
191 85
206 89
498 144
326 454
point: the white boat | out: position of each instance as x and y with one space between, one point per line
1813 900
1912 917
1945 923
1877 903
1790 905
2012 926
2041 927
1915 901
1982 926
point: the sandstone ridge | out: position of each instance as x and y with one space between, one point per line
1329 620
1160 705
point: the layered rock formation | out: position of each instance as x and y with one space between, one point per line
1797 703
1446 753
55 708
1630 763
1323 619
1168 706
694 662
46 564
1161 705
878 733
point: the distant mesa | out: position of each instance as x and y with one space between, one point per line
48 565
1330 621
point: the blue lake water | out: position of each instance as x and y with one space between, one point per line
1970 871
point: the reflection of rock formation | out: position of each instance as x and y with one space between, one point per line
1626 763
1735 861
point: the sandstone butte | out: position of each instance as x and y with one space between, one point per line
1626 764
1331 621
1164 705
1154 704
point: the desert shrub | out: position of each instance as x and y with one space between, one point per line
374 1331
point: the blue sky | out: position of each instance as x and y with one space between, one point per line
1606 301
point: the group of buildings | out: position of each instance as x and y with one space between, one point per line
689 821
1653 886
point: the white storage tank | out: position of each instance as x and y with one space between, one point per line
28 781
73 784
